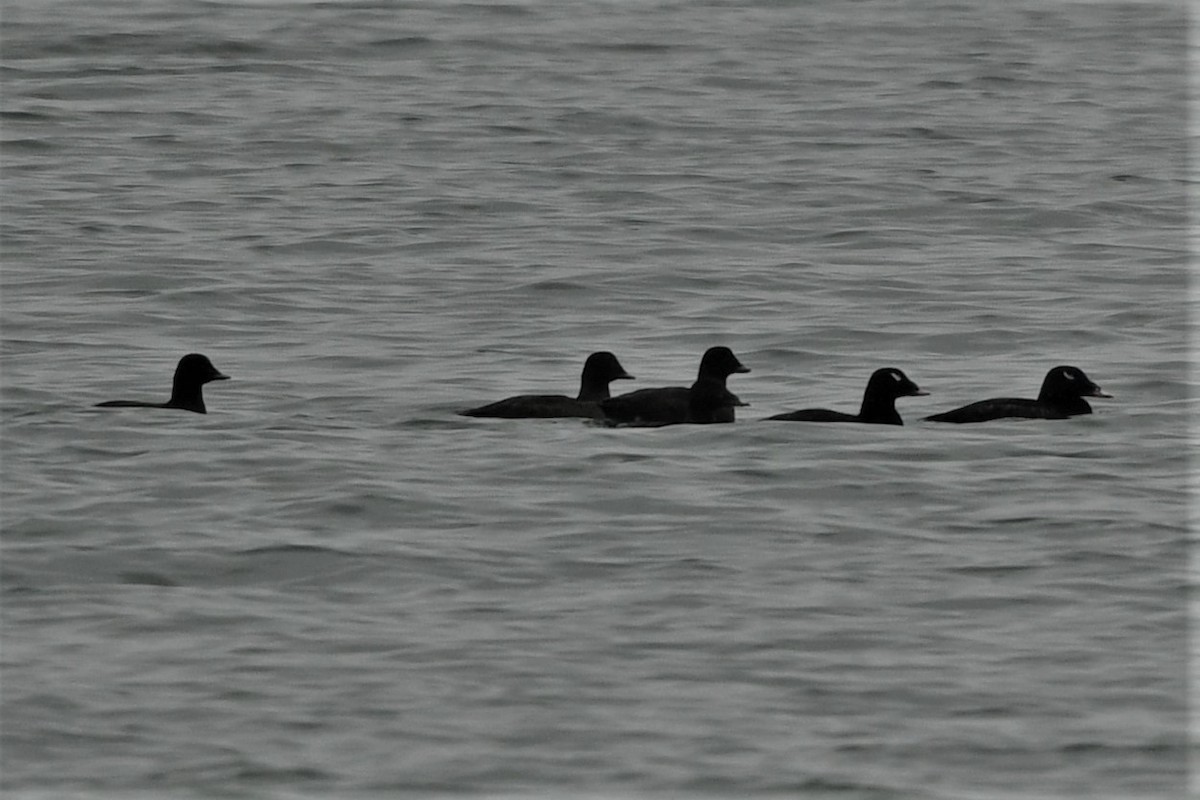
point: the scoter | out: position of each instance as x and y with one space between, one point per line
599 370
194 370
878 405
705 401
1061 397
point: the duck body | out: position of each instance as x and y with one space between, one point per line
817 415
538 406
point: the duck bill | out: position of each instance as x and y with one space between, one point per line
1098 392
918 393
220 376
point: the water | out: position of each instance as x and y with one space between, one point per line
375 214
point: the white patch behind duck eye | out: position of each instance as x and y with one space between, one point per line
896 377
1068 375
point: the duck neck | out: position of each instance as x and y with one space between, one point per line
879 410
188 398
593 391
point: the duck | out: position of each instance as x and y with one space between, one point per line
706 401
878 404
599 370
193 371
1061 397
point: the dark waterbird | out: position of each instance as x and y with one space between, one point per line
599 370
194 370
705 401
1061 397
878 405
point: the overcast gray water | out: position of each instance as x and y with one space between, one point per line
373 215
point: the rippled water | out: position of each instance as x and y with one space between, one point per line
373 215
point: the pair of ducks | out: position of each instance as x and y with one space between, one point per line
705 401
708 400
